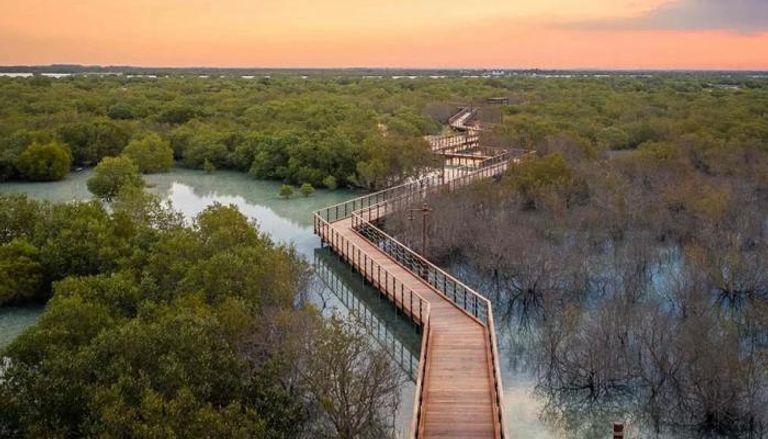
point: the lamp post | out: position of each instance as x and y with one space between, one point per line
425 210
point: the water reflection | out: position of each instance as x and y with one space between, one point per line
191 191
642 345
348 294
393 331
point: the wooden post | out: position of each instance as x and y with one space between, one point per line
618 430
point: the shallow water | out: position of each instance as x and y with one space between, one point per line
29 75
191 191
14 320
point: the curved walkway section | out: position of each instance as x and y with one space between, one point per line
458 387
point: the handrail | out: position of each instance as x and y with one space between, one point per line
496 373
359 260
421 378
451 287
441 144
457 120
344 209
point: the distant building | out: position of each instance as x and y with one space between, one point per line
498 101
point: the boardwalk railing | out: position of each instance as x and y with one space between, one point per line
462 295
458 121
404 298
454 142
457 292
432 182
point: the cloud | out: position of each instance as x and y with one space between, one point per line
745 16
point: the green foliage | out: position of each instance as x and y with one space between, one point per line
112 174
177 114
391 160
205 146
45 162
93 139
613 138
292 130
39 80
21 274
304 130
540 172
330 182
120 111
286 191
306 189
151 154
209 167
224 227
546 180
18 216
147 330
77 239
657 153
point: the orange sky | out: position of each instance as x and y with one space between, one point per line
383 33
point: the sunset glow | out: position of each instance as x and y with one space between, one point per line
388 33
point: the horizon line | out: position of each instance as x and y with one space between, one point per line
497 68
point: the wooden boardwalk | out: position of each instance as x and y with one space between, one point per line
459 393
458 386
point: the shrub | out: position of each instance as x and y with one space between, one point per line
330 182
113 174
45 162
151 154
306 189
120 111
208 166
286 191
21 275
91 140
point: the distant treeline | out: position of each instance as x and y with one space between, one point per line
353 71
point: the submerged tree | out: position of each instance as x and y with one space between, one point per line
306 189
286 191
354 386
